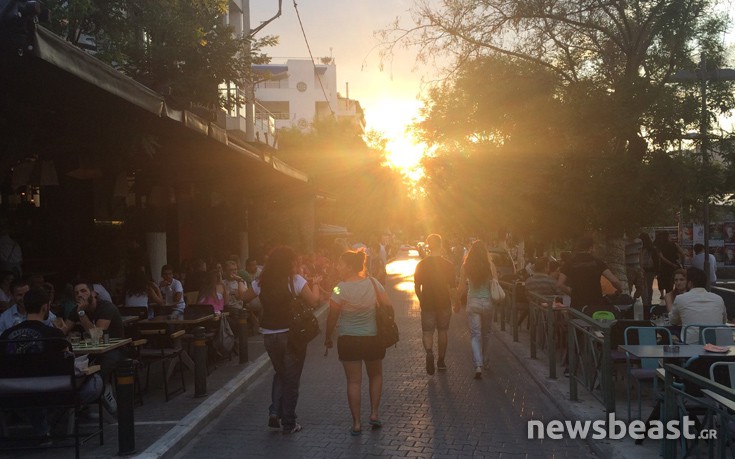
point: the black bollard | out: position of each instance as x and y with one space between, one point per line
242 333
125 400
200 363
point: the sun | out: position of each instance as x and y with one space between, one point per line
403 154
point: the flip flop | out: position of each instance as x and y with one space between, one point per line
355 433
376 424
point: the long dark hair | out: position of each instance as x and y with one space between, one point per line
209 285
477 263
278 270
137 283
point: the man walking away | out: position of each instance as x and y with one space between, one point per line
433 279
698 262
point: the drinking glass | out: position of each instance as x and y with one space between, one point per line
96 335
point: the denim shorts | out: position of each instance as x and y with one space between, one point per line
435 320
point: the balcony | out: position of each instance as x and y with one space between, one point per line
234 119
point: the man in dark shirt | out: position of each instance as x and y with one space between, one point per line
92 312
580 277
433 279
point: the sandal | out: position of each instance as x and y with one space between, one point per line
376 424
355 433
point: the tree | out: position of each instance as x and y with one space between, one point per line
608 63
179 48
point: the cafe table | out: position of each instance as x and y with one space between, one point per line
184 324
656 351
102 348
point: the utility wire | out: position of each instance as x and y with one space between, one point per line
303 32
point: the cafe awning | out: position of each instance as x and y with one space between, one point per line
64 56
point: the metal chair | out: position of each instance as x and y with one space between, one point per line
647 371
720 335
698 328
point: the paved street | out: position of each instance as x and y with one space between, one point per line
446 415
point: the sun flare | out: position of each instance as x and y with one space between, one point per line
405 155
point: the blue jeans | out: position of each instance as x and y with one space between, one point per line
480 320
288 364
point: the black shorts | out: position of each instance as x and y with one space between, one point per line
354 348
435 320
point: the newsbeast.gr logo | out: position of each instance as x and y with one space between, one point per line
614 429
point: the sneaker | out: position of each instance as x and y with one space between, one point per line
108 400
441 366
430 363
296 428
478 372
566 372
274 422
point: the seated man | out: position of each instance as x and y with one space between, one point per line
92 312
17 313
541 283
697 306
36 303
172 291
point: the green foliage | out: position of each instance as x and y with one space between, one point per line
179 48
558 117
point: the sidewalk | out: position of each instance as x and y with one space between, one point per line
157 419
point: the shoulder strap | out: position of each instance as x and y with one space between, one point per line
375 288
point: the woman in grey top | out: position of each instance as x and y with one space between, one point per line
474 278
352 305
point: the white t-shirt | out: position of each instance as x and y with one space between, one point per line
169 292
102 293
298 284
140 300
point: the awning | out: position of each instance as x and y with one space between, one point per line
56 51
53 49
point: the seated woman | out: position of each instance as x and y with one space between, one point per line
680 286
141 292
212 291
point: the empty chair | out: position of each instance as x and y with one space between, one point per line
647 371
718 335
688 331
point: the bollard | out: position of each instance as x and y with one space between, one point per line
125 399
242 333
200 362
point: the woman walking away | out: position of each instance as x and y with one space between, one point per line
353 304
477 271
277 286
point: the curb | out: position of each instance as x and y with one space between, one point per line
187 428
177 438
562 407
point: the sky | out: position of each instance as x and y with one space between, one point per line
345 30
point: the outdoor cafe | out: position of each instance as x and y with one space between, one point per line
639 367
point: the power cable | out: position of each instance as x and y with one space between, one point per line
303 32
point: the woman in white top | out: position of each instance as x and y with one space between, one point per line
353 303
141 291
474 278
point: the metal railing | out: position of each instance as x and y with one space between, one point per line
543 323
511 303
674 397
590 359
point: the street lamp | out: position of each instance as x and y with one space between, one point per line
703 75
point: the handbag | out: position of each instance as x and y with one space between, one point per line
497 294
304 325
385 320
224 340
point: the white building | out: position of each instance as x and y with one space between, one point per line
299 92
